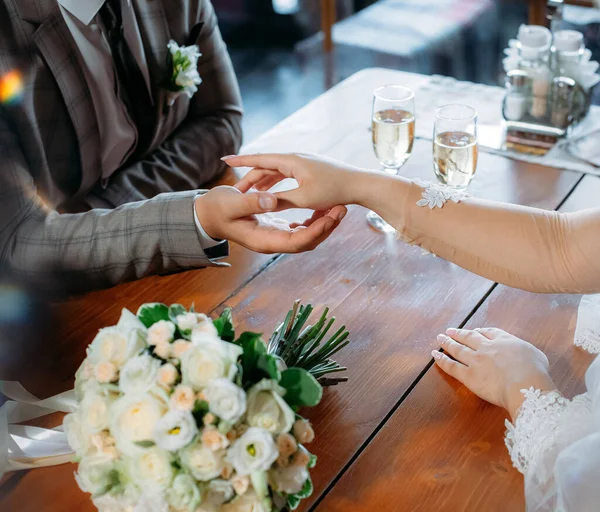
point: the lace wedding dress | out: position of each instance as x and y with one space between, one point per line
555 442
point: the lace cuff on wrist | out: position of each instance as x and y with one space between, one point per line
535 428
436 195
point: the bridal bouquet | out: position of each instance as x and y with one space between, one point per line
176 413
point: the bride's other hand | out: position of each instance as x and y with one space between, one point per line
494 364
322 182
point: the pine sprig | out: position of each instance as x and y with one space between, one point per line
303 346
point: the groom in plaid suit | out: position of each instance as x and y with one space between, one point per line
99 167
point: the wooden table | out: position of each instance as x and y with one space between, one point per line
399 436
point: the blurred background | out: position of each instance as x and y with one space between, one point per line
278 52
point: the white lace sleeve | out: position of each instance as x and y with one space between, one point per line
555 443
535 428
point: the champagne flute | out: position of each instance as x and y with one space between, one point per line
455 145
393 130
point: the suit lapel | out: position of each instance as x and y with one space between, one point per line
156 34
154 29
58 49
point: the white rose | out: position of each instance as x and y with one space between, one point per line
210 359
108 503
133 418
188 321
94 412
240 484
161 332
184 493
152 501
129 321
139 374
254 451
77 439
94 473
267 409
122 502
249 502
179 347
225 400
183 398
213 439
289 480
166 376
104 443
163 350
204 328
175 430
105 372
202 462
219 491
115 345
152 470
84 380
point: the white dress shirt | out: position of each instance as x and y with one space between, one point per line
118 133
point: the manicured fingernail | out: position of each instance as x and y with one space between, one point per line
436 355
442 338
341 215
225 158
451 331
267 202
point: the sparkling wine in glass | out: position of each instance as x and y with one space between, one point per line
393 131
393 137
455 145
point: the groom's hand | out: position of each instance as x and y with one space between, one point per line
226 213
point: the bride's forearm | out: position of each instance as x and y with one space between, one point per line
383 193
528 248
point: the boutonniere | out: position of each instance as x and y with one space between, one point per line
184 78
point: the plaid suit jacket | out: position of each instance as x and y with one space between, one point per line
50 152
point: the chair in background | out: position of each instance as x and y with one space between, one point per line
453 37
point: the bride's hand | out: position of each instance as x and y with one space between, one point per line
494 365
322 182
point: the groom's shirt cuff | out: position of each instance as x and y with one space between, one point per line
214 249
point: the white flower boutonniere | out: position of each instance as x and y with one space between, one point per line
184 77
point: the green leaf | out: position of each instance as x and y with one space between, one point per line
145 444
174 311
256 363
224 325
312 461
306 490
199 411
153 312
293 500
302 389
268 364
114 482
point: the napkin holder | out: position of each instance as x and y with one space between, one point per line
535 124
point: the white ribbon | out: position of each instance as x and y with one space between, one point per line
25 446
